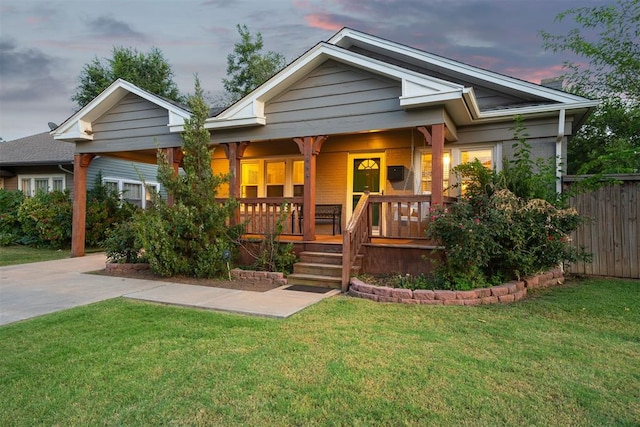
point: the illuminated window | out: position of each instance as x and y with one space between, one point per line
485 156
275 179
298 178
249 186
427 172
271 177
452 158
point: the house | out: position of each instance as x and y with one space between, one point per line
358 127
39 162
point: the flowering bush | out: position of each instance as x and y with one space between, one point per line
490 239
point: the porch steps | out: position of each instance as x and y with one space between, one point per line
322 268
314 280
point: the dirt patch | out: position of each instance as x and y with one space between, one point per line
242 285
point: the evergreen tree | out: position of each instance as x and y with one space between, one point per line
190 237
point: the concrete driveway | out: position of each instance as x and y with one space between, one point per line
30 290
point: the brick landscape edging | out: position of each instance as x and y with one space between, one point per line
503 294
259 276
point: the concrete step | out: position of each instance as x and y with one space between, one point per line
314 280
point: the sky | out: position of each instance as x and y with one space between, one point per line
45 44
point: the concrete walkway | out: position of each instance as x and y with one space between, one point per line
30 290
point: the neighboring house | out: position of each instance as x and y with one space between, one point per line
40 163
358 127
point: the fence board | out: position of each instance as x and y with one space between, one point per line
612 234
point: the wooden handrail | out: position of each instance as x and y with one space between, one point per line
354 235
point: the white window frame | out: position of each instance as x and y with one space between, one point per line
262 172
33 177
121 182
456 156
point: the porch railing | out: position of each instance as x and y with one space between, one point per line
386 217
353 236
261 214
405 217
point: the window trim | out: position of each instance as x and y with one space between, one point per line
121 181
456 156
262 173
34 177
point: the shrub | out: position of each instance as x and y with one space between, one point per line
191 236
10 229
104 209
122 245
272 254
45 220
507 225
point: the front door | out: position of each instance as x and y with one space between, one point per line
366 173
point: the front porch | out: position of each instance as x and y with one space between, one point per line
385 235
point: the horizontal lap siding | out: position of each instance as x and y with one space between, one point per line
134 123
488 97
121 169
336 91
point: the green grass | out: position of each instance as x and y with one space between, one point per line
11 255
569 356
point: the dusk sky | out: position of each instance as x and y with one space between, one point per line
44 44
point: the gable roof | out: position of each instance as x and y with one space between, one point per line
408 66
78 126
39 149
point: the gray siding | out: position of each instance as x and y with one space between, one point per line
488 97
335 90
121 169
332 99
133 122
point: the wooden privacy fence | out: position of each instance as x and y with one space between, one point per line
612 234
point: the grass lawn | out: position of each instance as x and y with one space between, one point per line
11 255
569 356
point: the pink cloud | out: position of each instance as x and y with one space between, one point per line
535 75
35 20
322 21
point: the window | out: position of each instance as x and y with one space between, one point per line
32 184
134 192
486 155
275 177
426 184
250 173
298 178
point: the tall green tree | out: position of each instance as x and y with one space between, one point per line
149 71
189 237
248 67
607 39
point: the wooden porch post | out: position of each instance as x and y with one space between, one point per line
80 164
436 140
309 147
235 152
437 167
174 157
